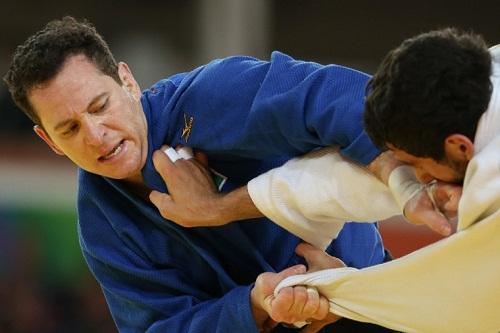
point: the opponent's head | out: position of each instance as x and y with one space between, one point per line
84 104
426 99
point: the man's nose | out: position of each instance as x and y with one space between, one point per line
423 176
94 134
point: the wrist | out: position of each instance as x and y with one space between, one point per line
236 205
403 185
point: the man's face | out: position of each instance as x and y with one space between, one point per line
426 169
87 116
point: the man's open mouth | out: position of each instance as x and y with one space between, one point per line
115 151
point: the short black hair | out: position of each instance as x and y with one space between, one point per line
431 86
41 57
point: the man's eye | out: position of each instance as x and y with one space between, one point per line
72 129
103 106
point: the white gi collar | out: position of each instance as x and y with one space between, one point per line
489 123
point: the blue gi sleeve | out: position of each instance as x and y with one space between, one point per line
141 301
282 107
146 294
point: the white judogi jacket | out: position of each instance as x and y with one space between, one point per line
450 286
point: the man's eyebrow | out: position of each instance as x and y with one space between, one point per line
63 123
96 99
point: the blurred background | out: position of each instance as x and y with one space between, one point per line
44 284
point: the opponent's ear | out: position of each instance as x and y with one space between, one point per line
45 137
129 84
459 147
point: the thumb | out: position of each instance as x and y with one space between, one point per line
293 270
309 253
317 259
160 200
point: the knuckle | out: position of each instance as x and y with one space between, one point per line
311 306
286 293
300 292
309 312
320 314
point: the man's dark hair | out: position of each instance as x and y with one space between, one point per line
40 58
431 86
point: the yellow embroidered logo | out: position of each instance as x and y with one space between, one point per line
188 125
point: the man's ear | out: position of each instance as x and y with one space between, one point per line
128 81
45 137
459 147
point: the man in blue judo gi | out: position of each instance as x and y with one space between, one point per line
247 115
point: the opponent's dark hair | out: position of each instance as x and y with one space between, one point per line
41 57
431 86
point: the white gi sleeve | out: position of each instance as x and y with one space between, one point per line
314 195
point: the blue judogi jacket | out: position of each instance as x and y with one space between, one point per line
248 116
